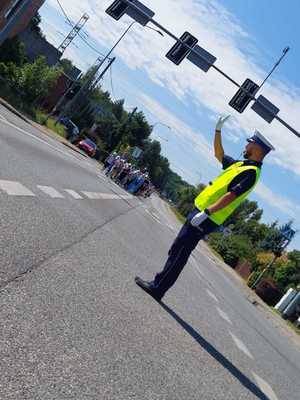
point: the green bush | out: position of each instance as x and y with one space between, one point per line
232 247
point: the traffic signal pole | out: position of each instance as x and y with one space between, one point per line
147 15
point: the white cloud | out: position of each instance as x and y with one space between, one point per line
278 201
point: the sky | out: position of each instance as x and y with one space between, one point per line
247 37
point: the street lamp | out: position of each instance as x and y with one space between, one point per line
122 36
161 123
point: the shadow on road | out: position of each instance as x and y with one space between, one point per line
246 382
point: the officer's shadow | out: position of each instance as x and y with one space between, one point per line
246 382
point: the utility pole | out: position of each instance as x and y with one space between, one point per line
111 61
60 101
73 33
13 20
85 87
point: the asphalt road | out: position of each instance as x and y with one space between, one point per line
73 323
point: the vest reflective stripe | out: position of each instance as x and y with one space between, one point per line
219 187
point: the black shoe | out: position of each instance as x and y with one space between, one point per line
146 286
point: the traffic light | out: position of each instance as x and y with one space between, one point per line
117 9
180 50
265 109
133 8
241 99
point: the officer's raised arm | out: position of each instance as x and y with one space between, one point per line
219 151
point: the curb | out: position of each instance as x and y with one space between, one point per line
40 127
13 110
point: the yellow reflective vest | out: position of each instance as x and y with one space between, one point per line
219 187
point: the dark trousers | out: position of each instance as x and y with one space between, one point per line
180 251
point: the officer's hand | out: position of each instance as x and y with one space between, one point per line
197 220
221 122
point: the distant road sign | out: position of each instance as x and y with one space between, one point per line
180 50
136 152
241 99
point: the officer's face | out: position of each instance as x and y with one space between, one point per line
248 152
253 150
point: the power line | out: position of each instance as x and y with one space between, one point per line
81 37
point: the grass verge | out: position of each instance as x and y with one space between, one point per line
289 323
41 118
214 252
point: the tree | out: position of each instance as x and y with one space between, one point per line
66 65
138 130
117 108
35 79
187 195
109 132
13 51
232 247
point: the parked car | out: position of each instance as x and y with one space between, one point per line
72 129
88 146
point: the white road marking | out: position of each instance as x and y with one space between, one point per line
197 269
126 196
265 387
212 295
224 315
110 196
74 194
241 345
102 177
153 216
103 196
50 191
3 118
15 188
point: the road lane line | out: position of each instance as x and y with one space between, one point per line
74 194
15 188
3 118
224 316
212 295
101 196
109 196
241 345
127 196
50 191
152 216
265 387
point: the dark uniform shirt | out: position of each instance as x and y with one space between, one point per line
245 180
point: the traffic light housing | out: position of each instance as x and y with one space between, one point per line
180 50
243 97
117 9
133 8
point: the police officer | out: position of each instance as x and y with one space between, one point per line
212 206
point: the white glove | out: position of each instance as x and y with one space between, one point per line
221 122
197 220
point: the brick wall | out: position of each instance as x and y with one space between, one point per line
24 20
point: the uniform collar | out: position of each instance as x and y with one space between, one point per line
252 162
